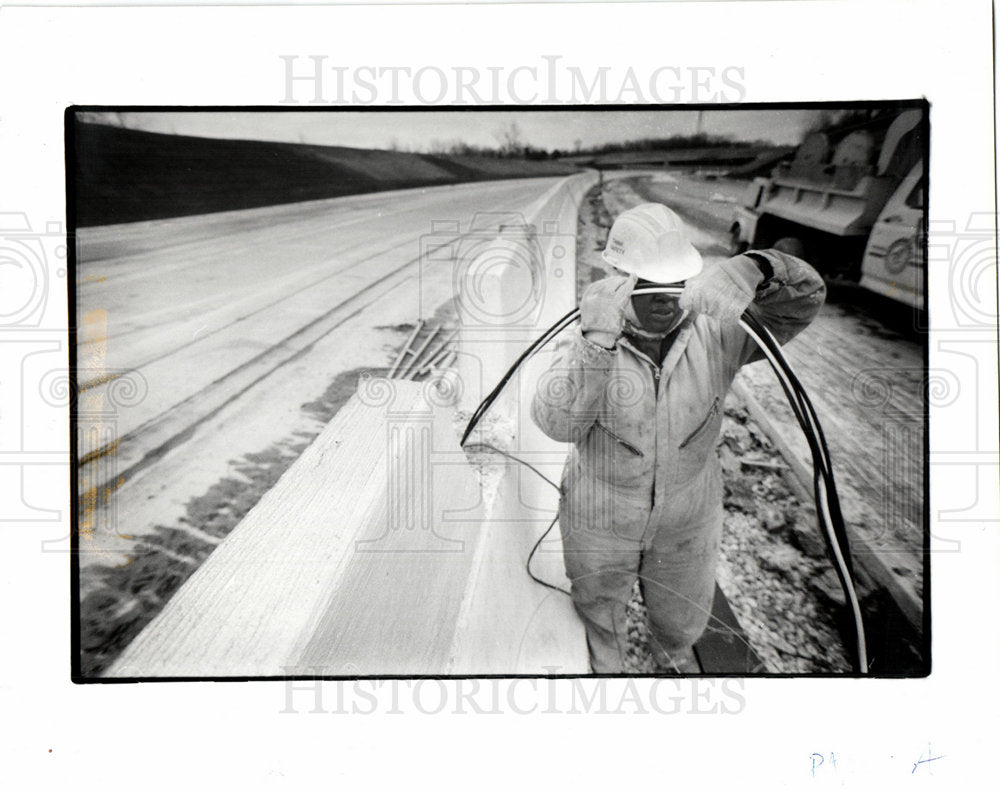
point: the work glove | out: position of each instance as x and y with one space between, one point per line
602 309
723 291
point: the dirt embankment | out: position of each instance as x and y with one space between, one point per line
124 175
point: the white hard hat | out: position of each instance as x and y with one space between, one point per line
651 241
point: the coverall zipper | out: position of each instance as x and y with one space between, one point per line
656 403
711 413
618 439
654 369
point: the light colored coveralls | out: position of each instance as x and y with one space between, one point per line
642 487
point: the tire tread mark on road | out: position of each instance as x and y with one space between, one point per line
196 238
340 226
162 423
104 379
209 230
203 246
176 438
184 434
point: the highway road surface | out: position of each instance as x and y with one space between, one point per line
202 337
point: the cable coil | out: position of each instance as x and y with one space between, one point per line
824 487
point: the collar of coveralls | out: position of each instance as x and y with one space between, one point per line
634 327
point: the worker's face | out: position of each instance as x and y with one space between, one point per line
656 312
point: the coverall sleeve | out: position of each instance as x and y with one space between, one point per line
569 396
786 303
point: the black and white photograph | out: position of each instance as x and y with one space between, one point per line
499 394
530 392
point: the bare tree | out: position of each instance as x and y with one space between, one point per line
437 146
509 137
822 120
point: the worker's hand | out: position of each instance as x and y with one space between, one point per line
723 291
602 309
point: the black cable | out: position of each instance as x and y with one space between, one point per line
822 472
822 467
543 536
487 402
813 431
538 543
805 415
803 399
512 457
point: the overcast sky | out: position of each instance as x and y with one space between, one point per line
547 129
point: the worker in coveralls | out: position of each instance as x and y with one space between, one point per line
639 390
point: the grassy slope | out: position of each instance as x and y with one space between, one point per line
123 175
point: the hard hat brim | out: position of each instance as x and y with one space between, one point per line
683 261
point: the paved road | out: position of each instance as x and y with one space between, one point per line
202 336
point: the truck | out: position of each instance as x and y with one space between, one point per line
851 202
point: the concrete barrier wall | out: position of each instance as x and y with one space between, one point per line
380 551
511 623
354 563
513 282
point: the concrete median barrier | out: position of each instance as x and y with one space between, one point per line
381 551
